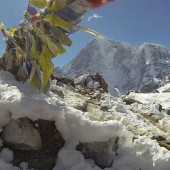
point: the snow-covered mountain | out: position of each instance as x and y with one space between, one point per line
143 68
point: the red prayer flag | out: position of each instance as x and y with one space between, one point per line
98 3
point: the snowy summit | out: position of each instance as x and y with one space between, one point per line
123 66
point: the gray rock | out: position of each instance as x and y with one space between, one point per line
100 152
81 106
104 108
130 101
97 95
59 93
22 134
168 112
45 158
92 81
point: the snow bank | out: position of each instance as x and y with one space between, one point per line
16 102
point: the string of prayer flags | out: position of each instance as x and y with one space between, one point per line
42 36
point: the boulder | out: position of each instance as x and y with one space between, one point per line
92 81
100 152
168 112
45 158
50 136
22 134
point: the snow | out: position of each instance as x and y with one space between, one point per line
6 155
147 50
153 99
164 88
142 153
149 150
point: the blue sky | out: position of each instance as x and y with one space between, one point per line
133 21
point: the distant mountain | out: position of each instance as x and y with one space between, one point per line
143 68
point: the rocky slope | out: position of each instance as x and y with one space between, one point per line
82 127
143 68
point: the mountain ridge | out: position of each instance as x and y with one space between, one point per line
122 65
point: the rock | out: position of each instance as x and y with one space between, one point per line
130 101
168 112
39 160
81 79
81 106
59 93
50 136
97 95
45 158
162 141
60 84
158 138
92 81
104 108
63 80
22 134
160 107
100 152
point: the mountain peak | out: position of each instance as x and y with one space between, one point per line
105 41
122 65
153 46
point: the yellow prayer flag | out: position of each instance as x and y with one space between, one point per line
46 65
1 25
39 3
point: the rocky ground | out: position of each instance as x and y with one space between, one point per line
83 120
